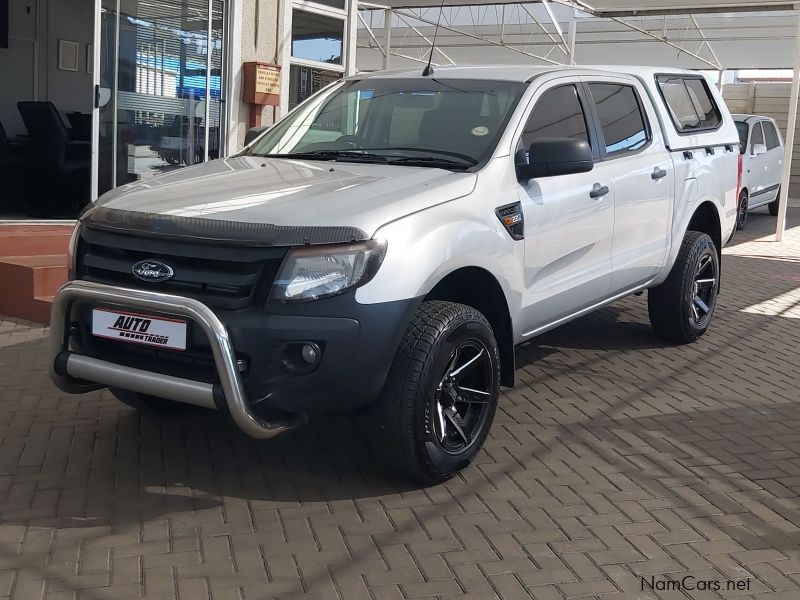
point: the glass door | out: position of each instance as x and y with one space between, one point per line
158 87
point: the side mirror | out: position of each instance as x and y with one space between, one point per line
253 133
759 149
556 156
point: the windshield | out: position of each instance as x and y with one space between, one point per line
742 128
448 123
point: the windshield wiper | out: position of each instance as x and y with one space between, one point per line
428 151
346 155
430 161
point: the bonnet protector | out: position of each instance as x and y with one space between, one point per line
214 230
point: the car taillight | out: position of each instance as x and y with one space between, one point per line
738 177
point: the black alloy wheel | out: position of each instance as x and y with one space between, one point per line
462 400
705 289
741 210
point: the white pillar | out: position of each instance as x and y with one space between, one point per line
788 149
351 28
387 36
571 35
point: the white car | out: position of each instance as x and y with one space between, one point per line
760 160
385 246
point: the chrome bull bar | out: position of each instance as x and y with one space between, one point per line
76 374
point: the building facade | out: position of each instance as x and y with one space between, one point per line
142 87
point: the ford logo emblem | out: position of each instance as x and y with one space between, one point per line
152 271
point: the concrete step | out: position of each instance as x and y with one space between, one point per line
29 284
32 240
40 309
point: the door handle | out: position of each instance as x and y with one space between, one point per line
657 174
598 191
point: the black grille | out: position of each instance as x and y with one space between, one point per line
228 277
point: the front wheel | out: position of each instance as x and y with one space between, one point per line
441 394
681 308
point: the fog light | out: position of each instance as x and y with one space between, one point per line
310 353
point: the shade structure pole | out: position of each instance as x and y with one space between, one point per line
783 198
572 34
387 37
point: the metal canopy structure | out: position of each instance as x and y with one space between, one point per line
727 34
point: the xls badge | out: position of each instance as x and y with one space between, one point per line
152 271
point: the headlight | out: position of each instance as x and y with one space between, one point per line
314 272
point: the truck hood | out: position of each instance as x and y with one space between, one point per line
291 192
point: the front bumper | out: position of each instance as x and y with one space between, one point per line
251 354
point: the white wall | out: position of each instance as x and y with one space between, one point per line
65 20
58 19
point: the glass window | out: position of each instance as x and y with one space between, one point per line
690 102
742 129
679 103
620 117
558 113
408 120
770 135
704 104
304 82
317 37
756 137
154 61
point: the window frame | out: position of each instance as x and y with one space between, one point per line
323 11
605 156
684 77
585 103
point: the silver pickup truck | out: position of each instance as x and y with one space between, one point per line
383 248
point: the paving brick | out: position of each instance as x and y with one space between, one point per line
616 456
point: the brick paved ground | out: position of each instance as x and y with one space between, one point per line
615 457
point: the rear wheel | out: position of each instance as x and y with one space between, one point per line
440 396
149 404
741 210
681 308
773 206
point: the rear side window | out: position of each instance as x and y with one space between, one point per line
690 102
558 113
621 117
770 135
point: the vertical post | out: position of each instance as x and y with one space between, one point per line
114 105
95 58
207 113
351 35
788 149
387 36
720 74
572 35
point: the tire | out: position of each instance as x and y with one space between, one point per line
149 404
675 313
441 394
741 210
773 206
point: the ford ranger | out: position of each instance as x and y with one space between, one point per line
383 248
